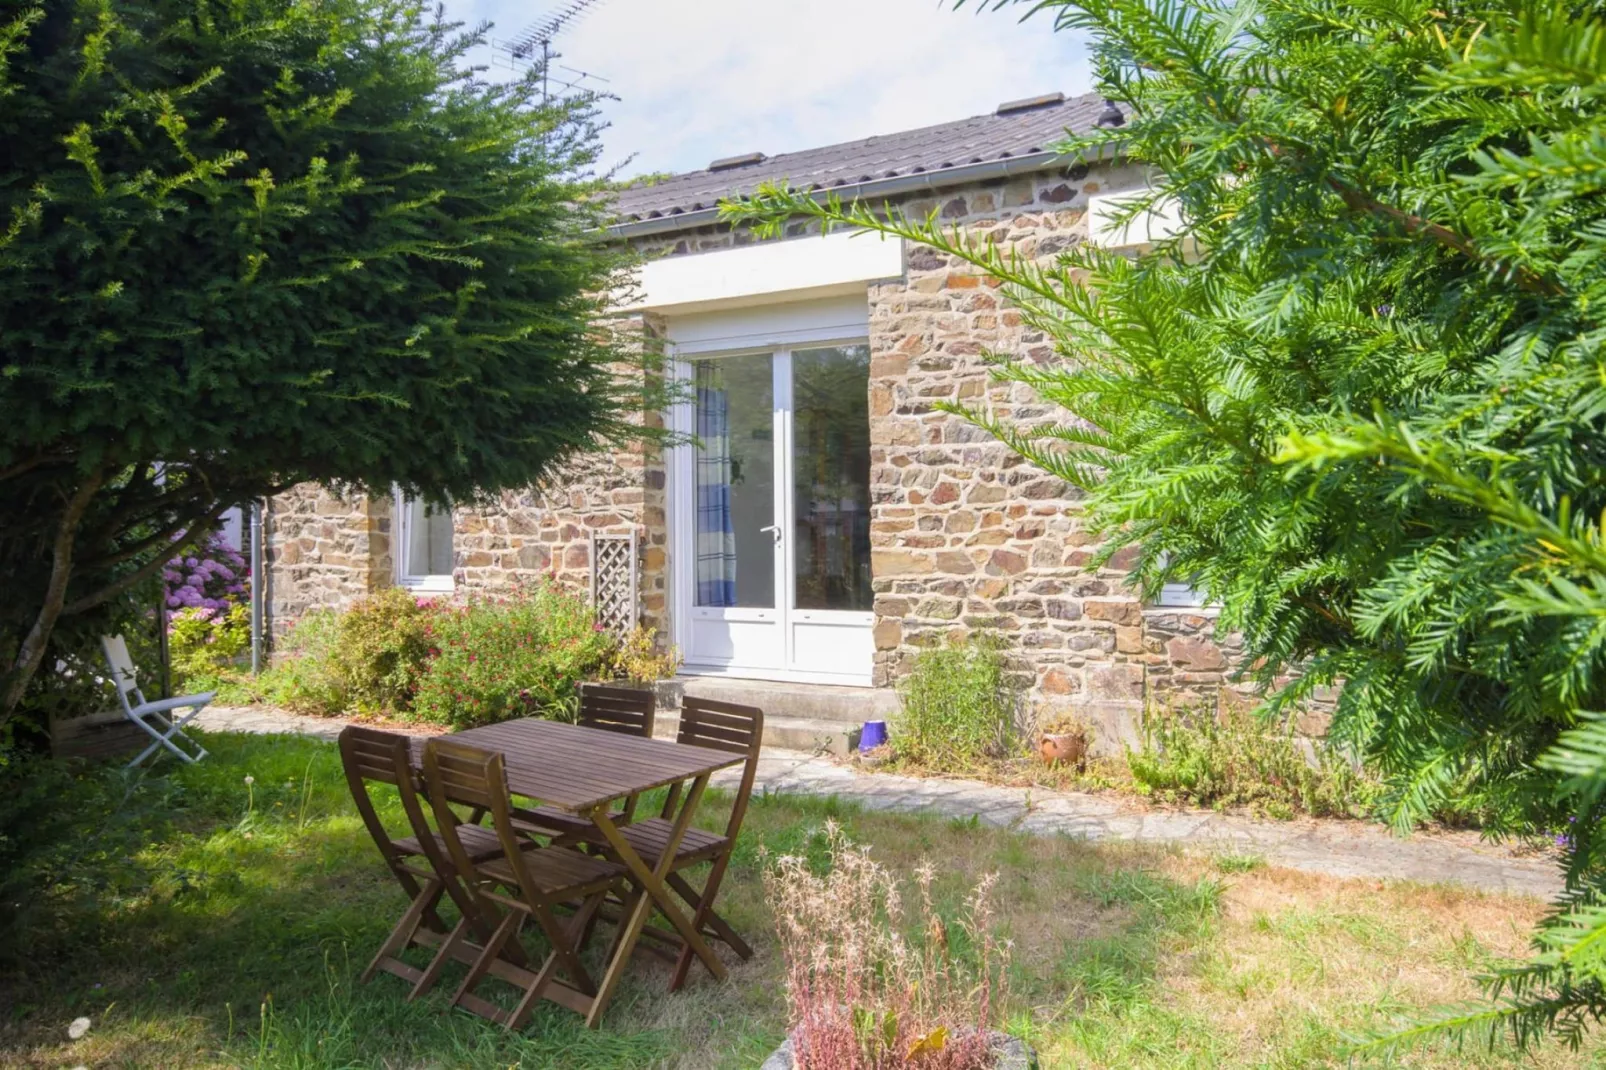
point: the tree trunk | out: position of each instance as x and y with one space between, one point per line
32 650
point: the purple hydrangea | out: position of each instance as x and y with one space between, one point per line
211 579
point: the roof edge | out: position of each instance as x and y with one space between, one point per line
881 187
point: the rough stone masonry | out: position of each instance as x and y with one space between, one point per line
966 536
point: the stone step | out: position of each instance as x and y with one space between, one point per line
849 706
808 734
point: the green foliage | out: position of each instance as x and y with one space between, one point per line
67 831
1233 758
493 660
960 707
641 659
201 643
489 659
302 676
380 650
249 244
1359 398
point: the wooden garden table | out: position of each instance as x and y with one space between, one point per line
585 771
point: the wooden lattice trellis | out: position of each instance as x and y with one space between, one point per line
613 581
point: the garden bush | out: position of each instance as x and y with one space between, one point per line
960 707
214 575
491 660
381 651
302 676
202 643
1235 758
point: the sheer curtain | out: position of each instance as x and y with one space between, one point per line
716 537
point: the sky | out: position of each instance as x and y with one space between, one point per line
698 80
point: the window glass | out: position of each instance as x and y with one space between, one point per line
831 478
429 540
736 481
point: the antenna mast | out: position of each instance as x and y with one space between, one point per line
536 41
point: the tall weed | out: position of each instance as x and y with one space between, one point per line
867 988
959 707
1233 758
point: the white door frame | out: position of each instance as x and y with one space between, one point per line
776 331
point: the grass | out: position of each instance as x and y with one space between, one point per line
225 924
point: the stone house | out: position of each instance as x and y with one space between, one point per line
828 521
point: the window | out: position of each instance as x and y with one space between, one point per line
1181 595
423 545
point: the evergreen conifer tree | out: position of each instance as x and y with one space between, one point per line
1360 396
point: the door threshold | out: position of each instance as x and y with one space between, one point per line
780 676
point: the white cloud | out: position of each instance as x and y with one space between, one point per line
701 79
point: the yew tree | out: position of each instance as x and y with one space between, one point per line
249 243
1358 395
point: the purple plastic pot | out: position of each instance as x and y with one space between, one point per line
872 735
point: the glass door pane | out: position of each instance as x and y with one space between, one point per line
429 539
735 479
831 478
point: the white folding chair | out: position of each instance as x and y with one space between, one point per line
154 717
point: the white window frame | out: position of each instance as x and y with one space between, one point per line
1181 596
433 584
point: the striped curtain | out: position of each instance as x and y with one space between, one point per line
716 537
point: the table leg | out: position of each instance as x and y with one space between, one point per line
651 892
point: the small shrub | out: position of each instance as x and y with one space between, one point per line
202 643
959 707
381 651
1235 759
302 675
494 660
867 990
640 661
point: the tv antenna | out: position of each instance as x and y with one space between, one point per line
534 45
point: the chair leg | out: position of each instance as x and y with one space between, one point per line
493 947
164 735
443 954
702 905
401 936
565 949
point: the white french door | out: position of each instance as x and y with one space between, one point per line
770 513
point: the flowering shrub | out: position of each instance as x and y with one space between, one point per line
209 623
457 664
213 576
202 641
862 994
491 660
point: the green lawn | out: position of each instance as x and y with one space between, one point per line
205 924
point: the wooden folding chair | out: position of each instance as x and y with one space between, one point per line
534 882
371 756
629 711
156 718
718 726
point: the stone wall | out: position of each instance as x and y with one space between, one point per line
323 552
546 531
965 535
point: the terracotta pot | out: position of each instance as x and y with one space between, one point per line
1067 747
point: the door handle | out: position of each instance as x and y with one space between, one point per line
774 530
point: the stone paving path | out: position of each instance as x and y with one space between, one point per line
1331 848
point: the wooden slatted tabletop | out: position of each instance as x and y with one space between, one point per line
578 769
